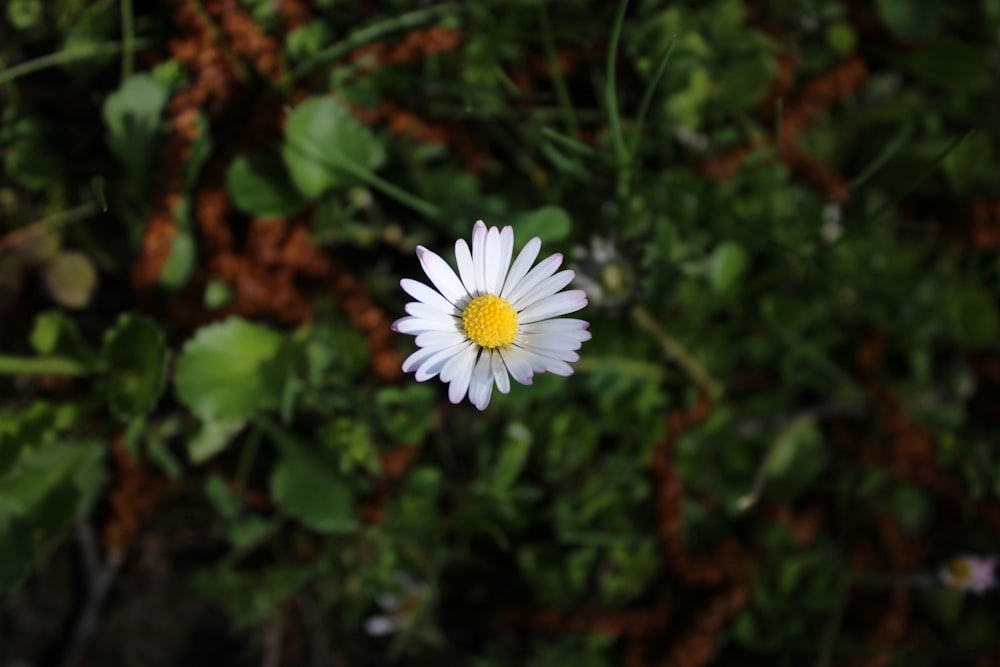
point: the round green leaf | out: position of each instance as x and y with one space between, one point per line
231 369
326 147
313 494
549 223
726 265
211 438
55 334
133 117
135 355
25 14
745 81
797 456
30 159
260 185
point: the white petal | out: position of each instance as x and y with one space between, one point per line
479 254
433 366
417 325
549 341
559 368
491 268
463 257
441 275
541 362
521 265
418 357
560 353
441 339
546 288
570 340
500 375
425 294
467 354
554 306
422 310
481 385
460 384
506 252
517 364
567 324
544 269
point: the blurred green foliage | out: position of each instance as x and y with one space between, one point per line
785 214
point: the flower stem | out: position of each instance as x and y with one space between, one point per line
672 346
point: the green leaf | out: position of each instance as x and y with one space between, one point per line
744 82
24 14
40 496
313 494
31 427
549 223
133 117
325 147
217 294
972 315
950 64
231 369
795 459
135 356
308 40
30 158
912 507
180 262
512 457
211 438
970 165
726 265
260 185
912 20
55 334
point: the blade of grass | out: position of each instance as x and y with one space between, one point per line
47 225
558 81
370 33
647 98
68 55
687 361
931 168
359 171
570 143
887 153
97 188
779 116
610 89
12 365
128 38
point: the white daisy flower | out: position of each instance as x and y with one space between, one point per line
493 319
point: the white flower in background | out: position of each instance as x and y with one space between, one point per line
969 573
399 609
603 273
494 319
833 228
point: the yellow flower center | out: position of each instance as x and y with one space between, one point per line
960 570
490 321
